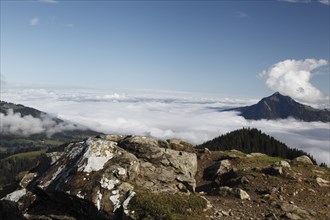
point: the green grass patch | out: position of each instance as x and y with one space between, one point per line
166 206
20 175
268 159
30 155
260 162
35 143
51 142
237 153
17 141
263 159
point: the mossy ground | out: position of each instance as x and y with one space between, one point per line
147 205
30 155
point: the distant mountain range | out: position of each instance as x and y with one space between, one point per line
77 132
278 106
23 110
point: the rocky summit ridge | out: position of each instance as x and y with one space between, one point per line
101 174
134 177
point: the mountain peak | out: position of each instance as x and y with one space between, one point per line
278 106
278 97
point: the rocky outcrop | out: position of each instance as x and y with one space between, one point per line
303 159
322 182
237 192
217 170
133 177
294 212
100 175
278 168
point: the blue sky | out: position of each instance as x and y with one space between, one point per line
78 59
199 46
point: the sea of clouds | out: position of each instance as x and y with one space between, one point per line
162 114
14 123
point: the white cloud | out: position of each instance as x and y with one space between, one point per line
51 20
48 1
16 124
34 21
165 115
292 78
326 2
68 25
297 1
240 14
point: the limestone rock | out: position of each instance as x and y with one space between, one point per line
277 168
274 170
282 163
224 167
290 216
113 137
180 145
100 175
294 212
218 170
27 179
225 190
235 154
237 192
257 154
322 182
240 194
207 151
16 195
303 159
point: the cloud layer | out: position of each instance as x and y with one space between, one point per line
16 124
48 1
167 115
34 21
292 78
325 2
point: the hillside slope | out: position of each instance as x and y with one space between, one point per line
252 140
25 133
133 177
28 125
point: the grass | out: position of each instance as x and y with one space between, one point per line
147 205
52 142
2 149
17 141
263 159
30 155
38 143
20 175
260 162
268 159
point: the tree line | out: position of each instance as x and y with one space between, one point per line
11 167
252 140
